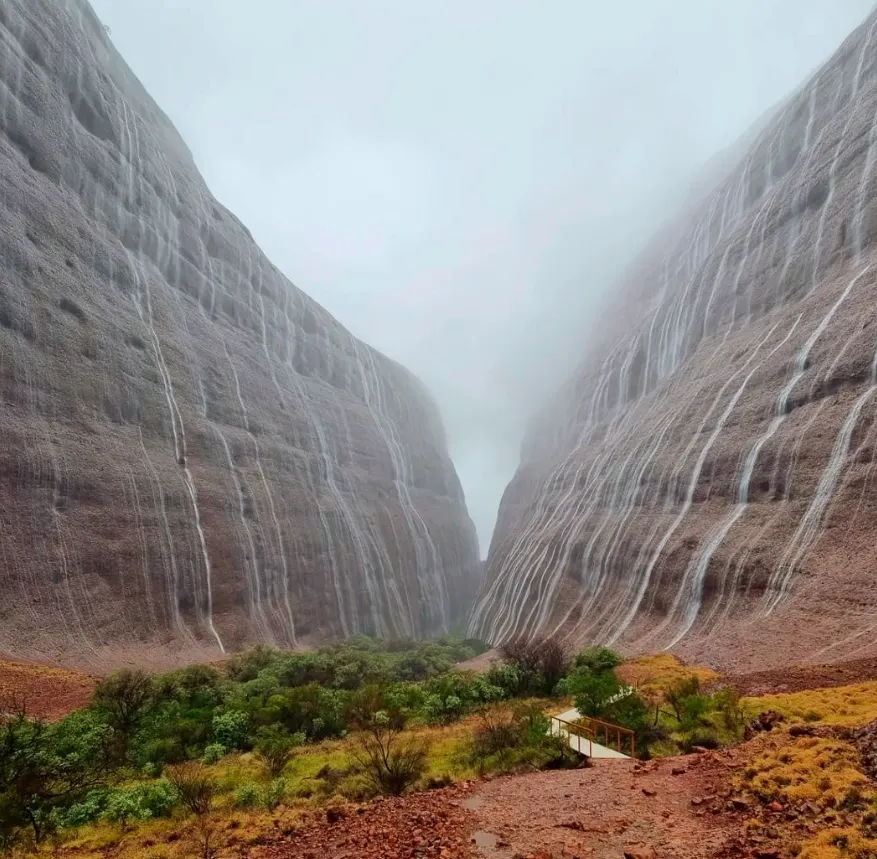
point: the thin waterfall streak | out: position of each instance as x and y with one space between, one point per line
807 532
254 576
692 486
145 311
691 587
270 497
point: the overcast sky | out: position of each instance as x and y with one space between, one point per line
455 181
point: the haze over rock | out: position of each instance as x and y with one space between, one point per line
195 455
704 480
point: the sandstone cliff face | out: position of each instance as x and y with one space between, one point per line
193 454
705 481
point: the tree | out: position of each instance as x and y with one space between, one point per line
541 662
679 692
521 652
46 768
124 698
593 694
554 662
193 785
391 761
275 748
598 659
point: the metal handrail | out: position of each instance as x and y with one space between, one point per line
590 729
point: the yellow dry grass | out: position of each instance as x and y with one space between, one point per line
841 705
652 675
839 843
823 771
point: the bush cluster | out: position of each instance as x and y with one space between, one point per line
517 738
142 746
677 720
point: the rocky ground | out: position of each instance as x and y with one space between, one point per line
674 808
432 825
801 677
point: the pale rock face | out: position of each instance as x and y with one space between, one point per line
704 482
194 455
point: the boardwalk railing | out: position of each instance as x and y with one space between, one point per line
585 731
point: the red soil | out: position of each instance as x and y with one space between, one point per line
801 677
45 691
676 808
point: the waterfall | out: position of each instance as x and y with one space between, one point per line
284 585
645 580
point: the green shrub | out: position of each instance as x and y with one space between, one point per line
232 730
46 769
505 677
89 809
275 748
598 660
443 711
273 794
510 740
247 795
482 691
681 692
124 698
247 666
593 693
140 802
390 760
213 753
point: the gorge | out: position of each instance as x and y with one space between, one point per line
196 457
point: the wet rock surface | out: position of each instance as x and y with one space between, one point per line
797 678
194 455
704 481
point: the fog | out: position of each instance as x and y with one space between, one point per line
457 182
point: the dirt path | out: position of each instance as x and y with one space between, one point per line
604 811
432 825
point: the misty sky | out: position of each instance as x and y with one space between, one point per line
456 181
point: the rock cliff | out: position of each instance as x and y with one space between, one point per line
194 455
704 482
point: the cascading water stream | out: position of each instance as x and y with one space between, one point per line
143 305
278 531
807 531
690 591
693 580
429 570
645 579
254 577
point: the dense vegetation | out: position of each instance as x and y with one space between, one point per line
142 748
671 718
151 746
